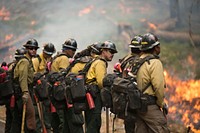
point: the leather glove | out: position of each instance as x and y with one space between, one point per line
25 97
165 109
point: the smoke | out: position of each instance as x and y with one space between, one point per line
81 20
87 21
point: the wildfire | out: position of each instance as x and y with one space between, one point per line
184 101
4 14
86 10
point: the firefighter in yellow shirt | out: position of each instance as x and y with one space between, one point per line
59 64
85 56
125 64
94 79
23 76
40 66
73 116
153 118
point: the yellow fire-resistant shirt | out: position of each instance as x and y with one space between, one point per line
81 64
153 73
40 66
97 71
77 67
24 72
61 62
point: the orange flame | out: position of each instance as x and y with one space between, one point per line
8 37
4 14
86 10
191 60
184 101
152 26
33 22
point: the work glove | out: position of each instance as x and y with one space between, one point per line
165 109
25 97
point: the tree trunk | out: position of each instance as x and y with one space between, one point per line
174 10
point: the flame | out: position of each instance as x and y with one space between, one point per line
4 14
8 37
184 101
86 10
191 60
152 26
33 22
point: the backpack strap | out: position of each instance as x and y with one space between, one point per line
88 65
39 58
145 88
71 65
125 61
138 63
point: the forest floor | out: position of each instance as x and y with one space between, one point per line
118 126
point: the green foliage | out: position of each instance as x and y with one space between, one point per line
179 58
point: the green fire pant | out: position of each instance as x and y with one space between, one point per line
73 123
46 116
57 122
93 117
153 121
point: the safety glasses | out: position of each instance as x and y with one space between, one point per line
111 51
32 48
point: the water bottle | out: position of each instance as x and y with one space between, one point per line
12 101
90 101
53 109
69 105
39 82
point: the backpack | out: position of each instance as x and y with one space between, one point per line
76 84
41 86
9 85
6 88
124 92
57 86
67 89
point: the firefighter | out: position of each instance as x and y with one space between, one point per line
23 78
62 120
125 63
94 79
73 116
19 53
151 119
40 66
85 55
135 53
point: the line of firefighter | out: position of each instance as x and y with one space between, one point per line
39 117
